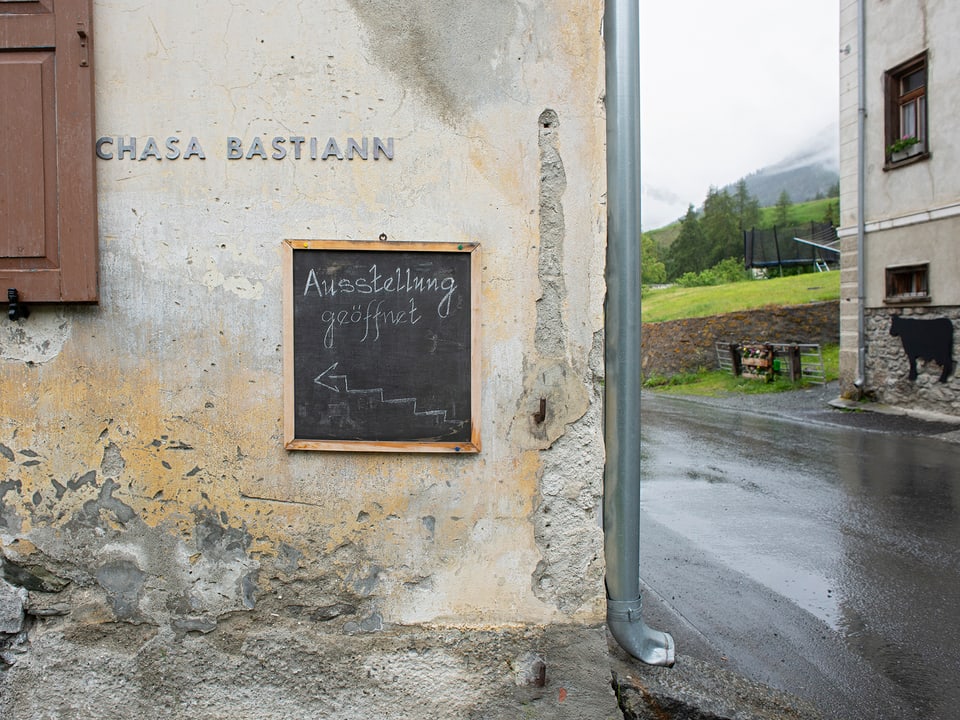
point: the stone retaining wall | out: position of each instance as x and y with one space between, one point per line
678 346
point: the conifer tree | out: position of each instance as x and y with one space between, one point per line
721 230
782 210
747 207
686 253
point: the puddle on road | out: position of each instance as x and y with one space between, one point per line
814 593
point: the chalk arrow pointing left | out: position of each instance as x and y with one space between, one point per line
319 378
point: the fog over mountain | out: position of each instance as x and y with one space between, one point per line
805 173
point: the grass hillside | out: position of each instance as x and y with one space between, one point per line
674 303
813 211
665 236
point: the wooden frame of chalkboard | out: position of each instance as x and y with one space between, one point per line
381 346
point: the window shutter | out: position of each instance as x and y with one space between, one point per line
48 211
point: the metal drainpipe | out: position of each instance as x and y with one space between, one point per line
621 492
861 193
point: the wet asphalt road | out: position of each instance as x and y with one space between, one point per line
814 550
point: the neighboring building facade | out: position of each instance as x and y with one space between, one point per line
163 554
909 220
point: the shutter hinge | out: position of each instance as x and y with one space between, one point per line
17 309
84 53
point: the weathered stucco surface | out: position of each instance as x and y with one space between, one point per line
149 514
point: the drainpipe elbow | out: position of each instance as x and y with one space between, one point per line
625 620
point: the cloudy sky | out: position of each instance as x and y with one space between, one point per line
727 87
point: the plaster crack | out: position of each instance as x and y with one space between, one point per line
245 496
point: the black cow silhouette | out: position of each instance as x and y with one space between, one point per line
926 340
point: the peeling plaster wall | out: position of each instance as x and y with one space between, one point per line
144 481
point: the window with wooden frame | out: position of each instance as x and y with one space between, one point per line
48 210
908 284
906 111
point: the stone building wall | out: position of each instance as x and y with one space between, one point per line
910 211
888 367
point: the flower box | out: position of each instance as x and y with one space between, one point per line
756 362
908 152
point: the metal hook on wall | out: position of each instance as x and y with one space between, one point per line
17 309
541 415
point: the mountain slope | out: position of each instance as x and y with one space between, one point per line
805 174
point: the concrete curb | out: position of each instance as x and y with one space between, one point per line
697 690
842 403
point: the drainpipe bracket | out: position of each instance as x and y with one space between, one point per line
625 610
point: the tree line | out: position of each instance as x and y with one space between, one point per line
714 234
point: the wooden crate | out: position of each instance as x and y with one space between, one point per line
756 362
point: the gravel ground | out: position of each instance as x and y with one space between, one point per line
813 405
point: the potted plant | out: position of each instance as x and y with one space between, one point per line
905 147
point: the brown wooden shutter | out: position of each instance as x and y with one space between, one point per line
48 210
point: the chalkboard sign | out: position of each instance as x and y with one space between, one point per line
381 346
